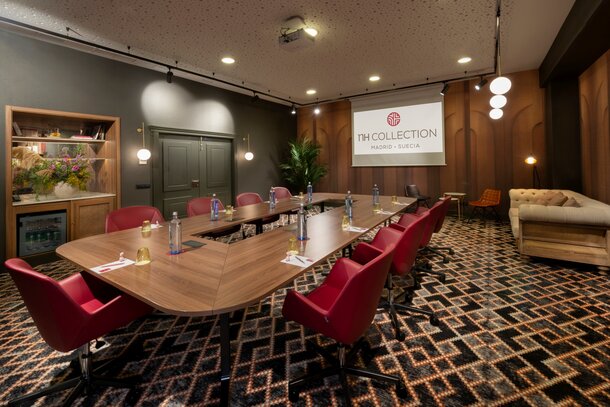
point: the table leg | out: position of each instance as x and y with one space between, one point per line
225 360
459 202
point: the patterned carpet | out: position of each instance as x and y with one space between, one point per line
513 332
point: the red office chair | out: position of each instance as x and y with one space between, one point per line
342 308
69 314
251 198
282 193
406 241
440 213
201 206
434 214
131 217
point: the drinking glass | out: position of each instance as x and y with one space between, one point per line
143 256
377 207
292 246
345 222
229 212
394 199
146 228
300 195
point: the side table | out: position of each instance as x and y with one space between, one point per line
459 198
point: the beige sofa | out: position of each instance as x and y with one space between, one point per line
579 234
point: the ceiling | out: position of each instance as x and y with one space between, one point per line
405 42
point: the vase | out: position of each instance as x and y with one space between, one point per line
64 190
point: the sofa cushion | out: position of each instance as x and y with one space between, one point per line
557 199
572 202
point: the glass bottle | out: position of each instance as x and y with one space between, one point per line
309 192
376 204
214 205
272 198
175 234
349 205
301 224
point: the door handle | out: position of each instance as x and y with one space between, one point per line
194 183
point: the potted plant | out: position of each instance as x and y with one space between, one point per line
302 165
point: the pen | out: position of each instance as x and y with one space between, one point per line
297 257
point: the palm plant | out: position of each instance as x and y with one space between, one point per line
302 166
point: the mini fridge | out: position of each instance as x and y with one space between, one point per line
41 232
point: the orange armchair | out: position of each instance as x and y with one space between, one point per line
489 200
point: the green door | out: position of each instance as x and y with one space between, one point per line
191 167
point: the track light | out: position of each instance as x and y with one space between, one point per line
445 88
294 110
255 98
481 83
169 75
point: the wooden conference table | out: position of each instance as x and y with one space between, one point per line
219 278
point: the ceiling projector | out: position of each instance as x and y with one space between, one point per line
295 40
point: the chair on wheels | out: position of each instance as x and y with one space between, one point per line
202 206
131 217
489 200
413 192
69 314
251 198
342 308
440 212
406 241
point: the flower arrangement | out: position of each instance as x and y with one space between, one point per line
43 174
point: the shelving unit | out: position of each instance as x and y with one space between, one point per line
86 211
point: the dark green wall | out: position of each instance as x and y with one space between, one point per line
37 74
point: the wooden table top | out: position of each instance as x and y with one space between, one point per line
221 277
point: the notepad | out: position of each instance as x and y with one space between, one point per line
356 229
112 266
297 260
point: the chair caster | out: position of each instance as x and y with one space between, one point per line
400 336
434 320
401 390
293 395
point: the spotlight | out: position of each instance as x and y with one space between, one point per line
255 98
169 75
481 83
294 110
445 88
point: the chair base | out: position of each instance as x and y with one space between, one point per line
341 366
85 382
483 212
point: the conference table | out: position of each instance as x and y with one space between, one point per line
218 278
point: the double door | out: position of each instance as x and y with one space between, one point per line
191 167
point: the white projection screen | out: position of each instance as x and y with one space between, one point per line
399 129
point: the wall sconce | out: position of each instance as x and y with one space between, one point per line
531 160
143 154
249 155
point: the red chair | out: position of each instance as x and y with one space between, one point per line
282 193
131 217
441 214
69 314
202 206
406 240
342 308
251 198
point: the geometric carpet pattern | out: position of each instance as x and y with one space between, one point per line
513 332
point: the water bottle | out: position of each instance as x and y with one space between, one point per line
272 198
375 195
349 205
301 224
175 235
214 204
309 193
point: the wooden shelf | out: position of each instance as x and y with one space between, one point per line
86 211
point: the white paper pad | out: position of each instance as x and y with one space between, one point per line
112 266
356 229
296 260
155 226
385 213
400 203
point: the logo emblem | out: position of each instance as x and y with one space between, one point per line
393 119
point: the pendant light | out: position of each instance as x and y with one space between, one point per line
501 84
249 155
143 154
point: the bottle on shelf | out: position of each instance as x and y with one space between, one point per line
301 224
309 192
272 198
175 234
214 205
349 205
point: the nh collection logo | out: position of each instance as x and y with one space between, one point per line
393 119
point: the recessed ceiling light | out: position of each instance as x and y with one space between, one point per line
311 31
464 60
228 60
374 78
311 91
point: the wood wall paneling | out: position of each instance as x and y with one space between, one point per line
594 89
480 152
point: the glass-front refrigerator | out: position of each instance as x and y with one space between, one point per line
41 232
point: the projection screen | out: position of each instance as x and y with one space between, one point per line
399 129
